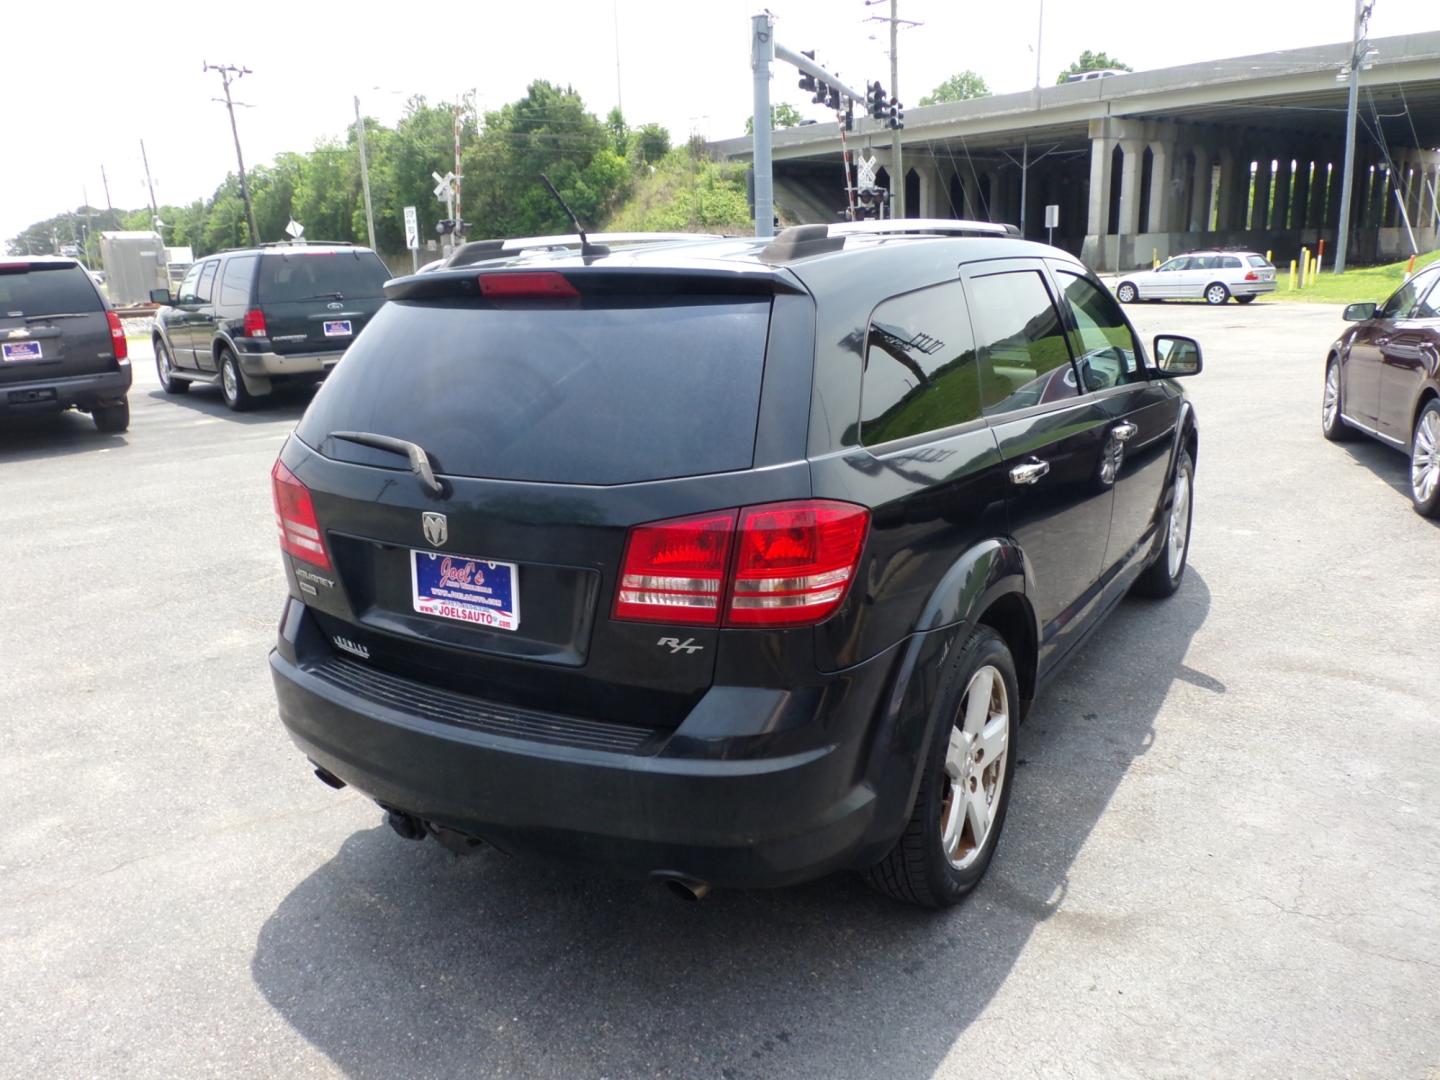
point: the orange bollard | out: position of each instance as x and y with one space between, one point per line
1410 266
1321 251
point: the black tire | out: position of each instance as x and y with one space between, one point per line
1126 292
1216 293
917 869
112 419
1331 425
232 385
1158 580
1423 466
1245 299
164 365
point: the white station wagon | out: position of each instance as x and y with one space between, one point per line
1212 276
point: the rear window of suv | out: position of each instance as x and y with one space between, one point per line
610 392
38 289
318 275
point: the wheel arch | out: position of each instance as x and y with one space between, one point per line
1427 395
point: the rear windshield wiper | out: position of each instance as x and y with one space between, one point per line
419 460
337 295
61 315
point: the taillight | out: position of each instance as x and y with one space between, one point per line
295 518
792 565
539 283
255 323
674 571
1252 276
117 338
794 561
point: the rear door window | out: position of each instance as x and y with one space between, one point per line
319 275
921 370
599 392
63 289
235 283
1024 359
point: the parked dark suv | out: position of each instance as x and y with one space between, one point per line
727 562
257 317
61 344
1382 377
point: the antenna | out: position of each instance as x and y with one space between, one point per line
586 248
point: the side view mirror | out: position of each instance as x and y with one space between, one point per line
1359 312
1176 355
161 296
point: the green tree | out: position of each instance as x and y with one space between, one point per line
1092 61
962 87
648 144
783 115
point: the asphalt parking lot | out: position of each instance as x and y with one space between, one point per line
1222 856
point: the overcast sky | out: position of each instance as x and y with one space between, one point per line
138 73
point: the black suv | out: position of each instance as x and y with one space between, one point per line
256 317
61 344
730 562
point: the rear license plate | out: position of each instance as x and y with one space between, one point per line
337 327
20 350
466 590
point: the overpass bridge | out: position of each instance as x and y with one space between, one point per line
1243 151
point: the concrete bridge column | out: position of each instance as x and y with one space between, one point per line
1101 151
1284 177
1130 177
1260 206
1198 219
930 198
1231 194
971 186
1300 199
1161 215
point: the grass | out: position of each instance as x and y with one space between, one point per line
1367 283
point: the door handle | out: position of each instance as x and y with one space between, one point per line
1124 430
1029 472
1383 340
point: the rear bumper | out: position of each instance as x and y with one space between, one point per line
271 364
1251 288
742 812
74 391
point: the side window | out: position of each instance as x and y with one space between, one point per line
1202 262
1402 301
1180 262
235 285
1229 262
921 372
1024 360
186 295
1105 348
207 281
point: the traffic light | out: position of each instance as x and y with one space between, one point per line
822 92
834 99
897 114
807 81
849 116
444 226
875 94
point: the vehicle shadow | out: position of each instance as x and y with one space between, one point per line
1389 465
47 435
285 403
395 958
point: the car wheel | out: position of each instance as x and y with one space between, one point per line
112 419
1162 577
1244 299
1215 293
1425 460
1331 425
165 368
965 788
232 386
1127 293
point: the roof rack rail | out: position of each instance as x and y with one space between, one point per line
924 226
301 243
481 250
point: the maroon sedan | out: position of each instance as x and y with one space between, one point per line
1382 377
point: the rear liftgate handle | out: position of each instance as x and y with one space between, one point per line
1029 472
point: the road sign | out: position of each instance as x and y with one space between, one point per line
412 228
1052 216
444 186
294 230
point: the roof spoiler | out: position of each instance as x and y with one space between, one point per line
481 250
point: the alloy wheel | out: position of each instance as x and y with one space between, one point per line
227 381
975 767
1216 294
1330 408
1425 456
1179 521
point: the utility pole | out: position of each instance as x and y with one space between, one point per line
1039 37
615 18
762 52
364 174
229 72
897 182
1357 56
154 210
106 182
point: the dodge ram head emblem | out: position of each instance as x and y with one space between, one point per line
435 527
